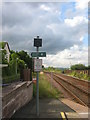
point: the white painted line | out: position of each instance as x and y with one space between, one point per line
84 113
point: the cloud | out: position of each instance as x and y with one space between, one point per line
81 39
68 57
43 7
24 21
76 21
81 4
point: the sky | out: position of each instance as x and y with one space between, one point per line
63 27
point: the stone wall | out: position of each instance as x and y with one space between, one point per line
16 98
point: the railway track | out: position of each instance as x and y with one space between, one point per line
78 89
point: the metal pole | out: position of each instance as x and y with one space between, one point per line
37 87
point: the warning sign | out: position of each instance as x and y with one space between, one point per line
37 65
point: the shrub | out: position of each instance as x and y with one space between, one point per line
80 75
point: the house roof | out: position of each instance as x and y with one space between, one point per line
2 45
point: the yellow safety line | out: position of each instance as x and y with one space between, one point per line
63 115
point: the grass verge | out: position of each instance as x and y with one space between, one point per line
45 88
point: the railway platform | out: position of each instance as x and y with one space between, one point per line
49 108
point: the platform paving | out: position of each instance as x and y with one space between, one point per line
49 108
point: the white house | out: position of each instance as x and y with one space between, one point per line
5 46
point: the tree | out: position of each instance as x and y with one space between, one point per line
78 67
26 58
11 52
88 67
18 61
21 64
13 62
14 56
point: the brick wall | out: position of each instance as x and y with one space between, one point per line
16 98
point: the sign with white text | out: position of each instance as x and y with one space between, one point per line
39 54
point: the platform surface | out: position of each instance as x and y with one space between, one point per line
49 108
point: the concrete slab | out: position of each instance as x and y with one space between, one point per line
49 108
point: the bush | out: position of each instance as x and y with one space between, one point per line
80 75
73 73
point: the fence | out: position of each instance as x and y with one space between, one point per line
78 71
26 75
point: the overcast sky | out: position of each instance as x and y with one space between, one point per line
63 28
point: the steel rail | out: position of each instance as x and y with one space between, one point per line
85 91
71 93
62 81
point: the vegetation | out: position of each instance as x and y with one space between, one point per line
80 75
79 67
52 69
18 61
22 55
45 88
2 44
3 55
25 57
